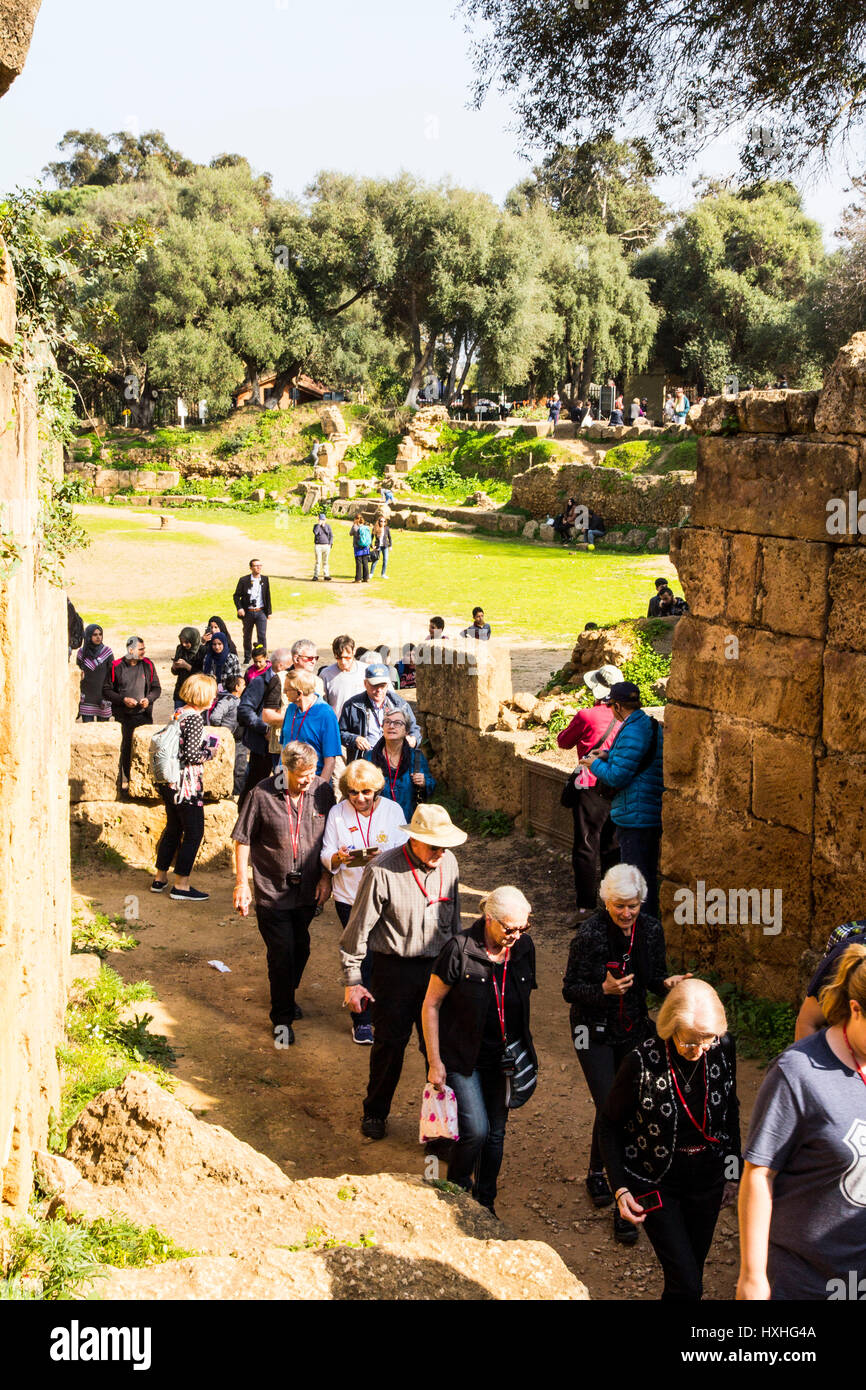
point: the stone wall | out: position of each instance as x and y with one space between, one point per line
621 498
765 753
34 797
100 820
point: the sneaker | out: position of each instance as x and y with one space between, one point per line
315 579
157 886
362 1033
373 1127
598 1189
327 579
189 895
624 1231
299 1013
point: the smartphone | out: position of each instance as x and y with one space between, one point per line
649 1201
358 857
616 968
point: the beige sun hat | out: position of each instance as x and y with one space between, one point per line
432 825
602 679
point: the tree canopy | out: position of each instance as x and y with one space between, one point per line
792 75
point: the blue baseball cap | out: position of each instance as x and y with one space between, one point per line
377 674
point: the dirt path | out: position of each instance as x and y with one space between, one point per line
363 613
301 1106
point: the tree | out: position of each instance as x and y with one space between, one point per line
732 280
838 307
604 322
118 158
599 185
794 73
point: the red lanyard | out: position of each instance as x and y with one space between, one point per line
292 734
500 998
392 781
626 1023
294 831
703 1128
369 820
440 899
853 1055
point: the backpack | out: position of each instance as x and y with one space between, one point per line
848 931
365 535
165 754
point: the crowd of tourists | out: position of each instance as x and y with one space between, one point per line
335 799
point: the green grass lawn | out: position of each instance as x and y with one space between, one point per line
526 590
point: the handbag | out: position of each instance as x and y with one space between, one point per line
438 1114
523 1079
570 791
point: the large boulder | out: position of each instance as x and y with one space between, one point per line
842 404
137 1151
217 772
131 829
94 761
17 18
464 680
331 420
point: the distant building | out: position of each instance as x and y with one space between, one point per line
307 390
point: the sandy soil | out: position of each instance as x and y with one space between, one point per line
302 1105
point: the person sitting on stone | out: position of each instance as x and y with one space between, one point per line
595 528
653 609
564 523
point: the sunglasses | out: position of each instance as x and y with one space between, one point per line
516 931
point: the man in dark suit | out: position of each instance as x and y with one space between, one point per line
252 599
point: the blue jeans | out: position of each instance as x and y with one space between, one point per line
481 1118
374 563
591 536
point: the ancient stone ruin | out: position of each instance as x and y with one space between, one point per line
765 740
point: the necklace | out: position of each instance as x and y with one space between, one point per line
687 1083
857 1067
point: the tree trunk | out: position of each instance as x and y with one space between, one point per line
586 372
452 373
470 353
253 381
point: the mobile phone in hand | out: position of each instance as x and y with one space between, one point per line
649 1201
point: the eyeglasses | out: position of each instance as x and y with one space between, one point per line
306 658
515 931
704 1043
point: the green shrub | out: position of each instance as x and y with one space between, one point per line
59 1259
762 1027
101 935
488 824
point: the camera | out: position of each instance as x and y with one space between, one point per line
293 879
507 1064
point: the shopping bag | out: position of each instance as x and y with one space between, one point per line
438 1114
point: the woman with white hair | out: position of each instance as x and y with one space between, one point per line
617 955
477 1003
670 1132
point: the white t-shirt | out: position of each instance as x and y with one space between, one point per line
341 685
256 592
345 829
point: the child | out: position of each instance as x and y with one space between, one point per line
225 713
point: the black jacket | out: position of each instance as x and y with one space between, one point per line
464 1009
598 941
240 597
353 721
120 681
263 692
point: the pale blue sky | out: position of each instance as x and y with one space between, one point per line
365 86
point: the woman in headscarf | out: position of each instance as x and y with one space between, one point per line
220 663
188 659
216 624
92 656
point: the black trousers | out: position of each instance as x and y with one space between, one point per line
600 1064
362 569
183 834
286 934
127 723
259 766
640 846
257 619
398 985
593 851
681 1231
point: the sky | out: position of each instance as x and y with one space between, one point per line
369 87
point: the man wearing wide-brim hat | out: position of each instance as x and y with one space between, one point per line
406 908
593 850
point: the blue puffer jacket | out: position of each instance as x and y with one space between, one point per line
638 801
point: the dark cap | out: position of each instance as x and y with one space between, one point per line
624 693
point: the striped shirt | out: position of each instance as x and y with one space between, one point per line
392 914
